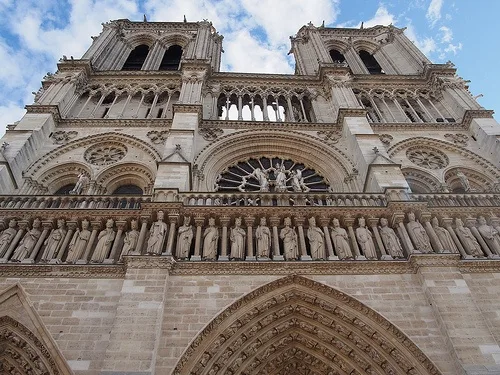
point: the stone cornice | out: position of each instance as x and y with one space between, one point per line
50 109
412 126
184 268
74 66
113 123
471 114
350 112
233 124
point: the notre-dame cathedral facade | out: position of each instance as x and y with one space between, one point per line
159 216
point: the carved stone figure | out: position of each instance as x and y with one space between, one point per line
7 236
27 243
263 236
489 234
80 184
463 180
444 236
237 237
340 241
78 243
289 237
316 240
130 239
390 240
365 240
280 182
157 234
210 240
54 241
263 179
418 234
184 239
467 238
298 181
104 243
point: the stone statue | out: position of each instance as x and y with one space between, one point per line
130 239
280 181
316 240
263 236
365 240
157 234
28 242
80 184
418 234
7 236
463 180
184 239
467 238
340 241
298 181
210 240
104 243
237 237
78 243
263 179
444 236
54 241
289 237
489 234
390 240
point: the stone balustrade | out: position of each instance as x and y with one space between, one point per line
463 200
71 202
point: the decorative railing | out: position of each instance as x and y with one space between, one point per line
247 226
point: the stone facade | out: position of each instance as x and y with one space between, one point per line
159 216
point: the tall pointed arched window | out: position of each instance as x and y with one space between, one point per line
370 62
337 56
136 58
171 58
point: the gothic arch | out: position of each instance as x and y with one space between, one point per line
231 149
125 174
171 39
295 322
140 38
339 45
487 168
421 181
477 180
35 169
364 44
62 175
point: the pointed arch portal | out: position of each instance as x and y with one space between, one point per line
295 326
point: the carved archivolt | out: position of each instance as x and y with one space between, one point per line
294 323
124 174
62 175
478 181
231 149
420 181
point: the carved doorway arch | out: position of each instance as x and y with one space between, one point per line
296 326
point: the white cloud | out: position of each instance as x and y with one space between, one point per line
10 113
426 44
434 11
447 34
381 17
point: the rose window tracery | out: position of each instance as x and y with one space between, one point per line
270 175
105 153
427 158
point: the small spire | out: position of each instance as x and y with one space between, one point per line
145 18
185 20
362 25
323 24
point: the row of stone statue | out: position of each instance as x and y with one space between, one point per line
88 243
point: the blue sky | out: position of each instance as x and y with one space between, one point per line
34 34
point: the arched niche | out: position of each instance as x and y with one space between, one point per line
136 58
295 324
138 175
421 182
327 161
464 180
171 58
63 175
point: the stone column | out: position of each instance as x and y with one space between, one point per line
436 244
249 220
172 218
275 221
324 221
120 226
349 222
23 226
224 220
470 222
299 221
142 235
96 226
446 222
398 219
47 226
199 221
71 229
372 222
